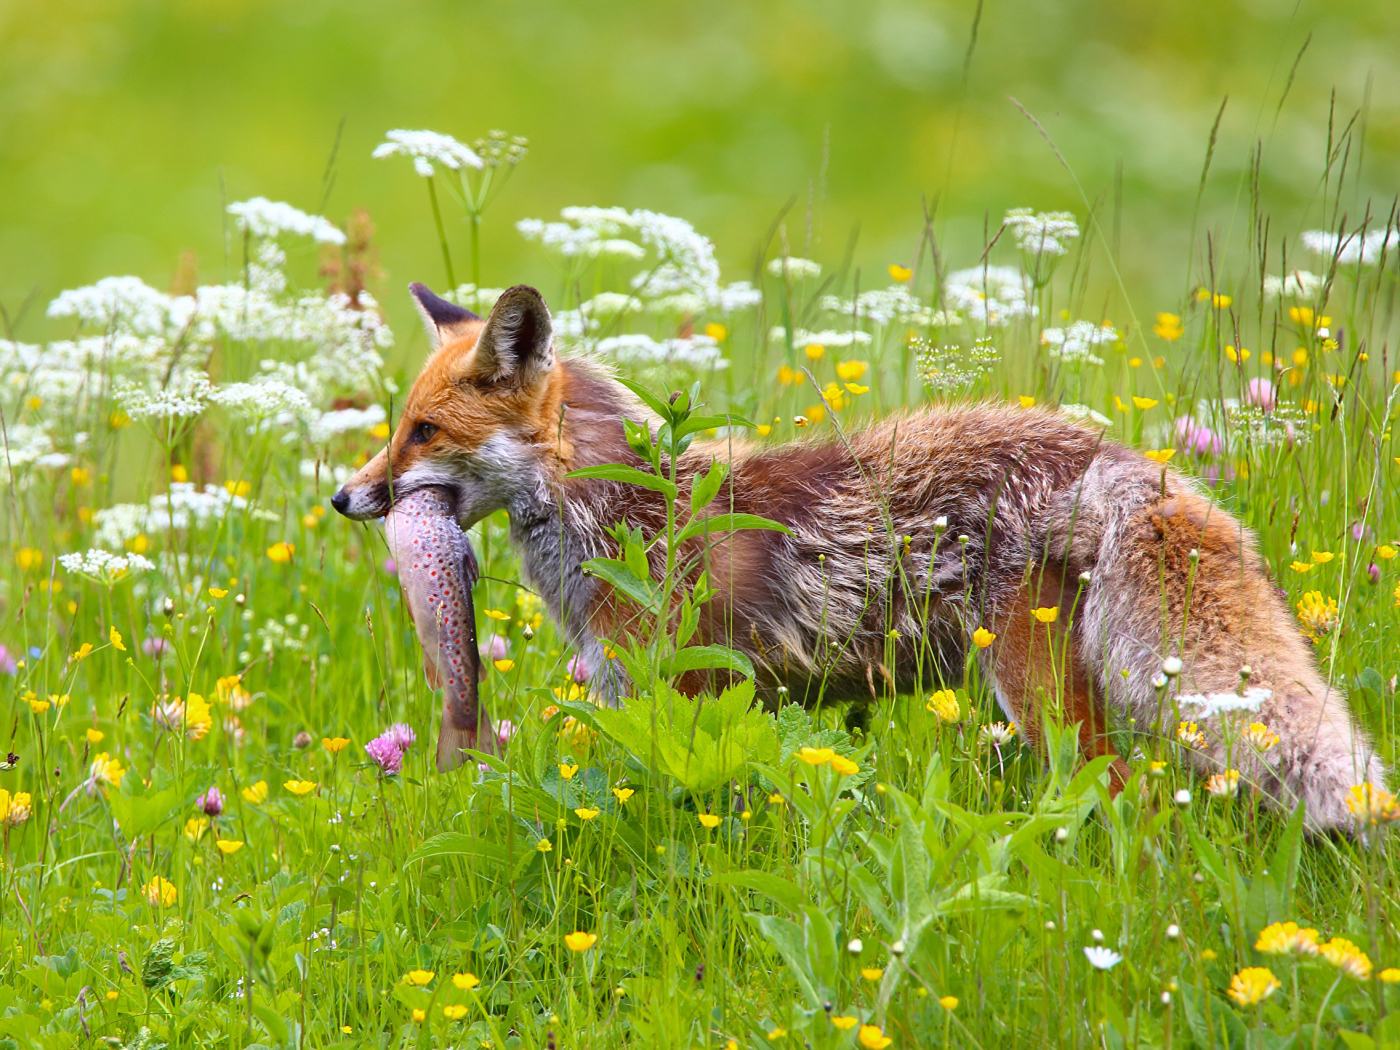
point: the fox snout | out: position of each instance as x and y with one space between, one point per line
362 502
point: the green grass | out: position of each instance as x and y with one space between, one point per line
958 870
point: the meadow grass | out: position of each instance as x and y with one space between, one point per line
199 851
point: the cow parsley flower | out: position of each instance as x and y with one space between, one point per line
791 266
176 401
1074 346
104 567
1211 704
951 369
1352 249
264 398
697 351
268 220
427 148
1044 233
1296 284
989 295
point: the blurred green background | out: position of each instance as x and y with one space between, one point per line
125 125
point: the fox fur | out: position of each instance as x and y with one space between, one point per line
906 537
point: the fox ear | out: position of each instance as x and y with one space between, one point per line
517 344
445 321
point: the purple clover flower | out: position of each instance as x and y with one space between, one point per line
387 755
211 802
1198 439
400 735
578 669
7 662
1260 393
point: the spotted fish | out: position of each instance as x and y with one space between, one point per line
436 570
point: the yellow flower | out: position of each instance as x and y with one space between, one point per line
300 787
1253 985
1209 955
814 351
816 756
1224 785
900 273
1160 455
873 1037
857 389
944 703
763 430
566 771
851 370
1347 957
238 488
503 665
255 794
1144 403
1168 327
844 766
1283 938
1134 362
1261 736
1221 302
83 651
983 638
584 813
113 995
466 981
380 431
623 794
949 1002
95 736
106 769
159 892
844 1023
1302 567
195 828
419 1016
1385 552
872 973
777 1033
228 846
334 744
787 376
115 637
281 553
1237 356
36 705
1322 557
717 332
1045 615
418 978
544 845
815 413
1317 615
29 558
580 941
454 1011
179 473
1189 733
1390 975
1025 400
1372 805
709 820
217 592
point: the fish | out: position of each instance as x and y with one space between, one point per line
437 568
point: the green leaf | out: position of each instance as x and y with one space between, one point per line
698 423
781 891
627 475
786 936
707 657
729 523
457 844
704 489
658 405
624 580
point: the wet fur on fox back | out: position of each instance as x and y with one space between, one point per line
906 535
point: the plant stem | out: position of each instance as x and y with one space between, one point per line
442 235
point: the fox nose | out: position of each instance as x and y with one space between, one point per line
340 501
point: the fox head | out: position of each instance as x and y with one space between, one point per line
479 419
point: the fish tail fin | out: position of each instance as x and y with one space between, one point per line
453 738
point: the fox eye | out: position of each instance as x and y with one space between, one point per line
422 433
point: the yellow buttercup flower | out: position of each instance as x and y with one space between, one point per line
228 846
115 637
1025 400
1045 615
1144 403
949 1002
419 1016
503 665
843 765
255 794
857 389
851 371
300 787
1168 327
95 736
584 813
334 744
82 652
1390 975
872 973
709 820
580 941
217 592
496 614
623 794
717 332
380 431
281 553
1385 552
454 1011
418 978
466 981
544 846
1253 985
1322 557
195 828
37 705
1302 567
845 1024
814 351
1160 455
763 430
983 637
160 892
816 756
567 771
873 1037
900 274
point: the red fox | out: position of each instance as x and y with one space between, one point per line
931 534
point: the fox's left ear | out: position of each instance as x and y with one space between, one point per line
516 346
444 321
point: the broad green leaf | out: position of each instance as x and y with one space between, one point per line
778 889
729 523
628 475
658 405
706 657
786 936
703 488
622 579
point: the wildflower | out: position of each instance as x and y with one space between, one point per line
211 802
1237 357
1283 938
280 552
844 766
454 1011
466 981
1209 955
1182 797
1144 403
1347 957
29 558
195 828
82 651
115 637
1101 958
496 614
1385 552
418 978
1160 455
584 813
1372 805
1322 557
814 351
816 756
1302 567
419 1016
1390 975
159 892
300 787
1317 615
900 274
217 593
1025 401
105 770
426 148
949 1002
857 389
872 973
622 793
779 1031
844 1023
15 809
1198 440
228 846
1224 785
255 794
36 705
983 637
873 1037
401 736
567 771
580 941
851 371
944 703
334 744
999 734
709 820
503 665
1168 327
1253 985
1043 233
1046 615
1261 736
544 845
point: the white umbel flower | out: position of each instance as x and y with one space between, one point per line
269 219
103 566
1044 233
427 148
